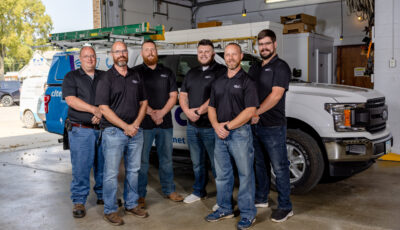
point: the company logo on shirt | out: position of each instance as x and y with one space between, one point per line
163 75
135 82
207 77
237 86
268 69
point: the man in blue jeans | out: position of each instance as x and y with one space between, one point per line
122 100
233 102
272 77
79 87
160 83
193 99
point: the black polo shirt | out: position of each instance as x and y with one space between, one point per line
274 73
77 83
158 84
122 94
230 96
197 84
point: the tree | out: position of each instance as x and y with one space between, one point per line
23 24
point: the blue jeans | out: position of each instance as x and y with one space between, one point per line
85 148
115 145
200 140
239 146
270 148
163 141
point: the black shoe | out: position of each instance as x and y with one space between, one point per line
79 211
100 202
280 215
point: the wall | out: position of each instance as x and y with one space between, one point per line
387 44
328 16
137 11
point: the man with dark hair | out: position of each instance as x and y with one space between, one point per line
122 101
160 82
78 89
233 102
272 79
193 99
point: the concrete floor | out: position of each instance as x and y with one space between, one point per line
34 194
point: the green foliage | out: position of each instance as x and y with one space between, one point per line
23 23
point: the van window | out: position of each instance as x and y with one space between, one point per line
186 62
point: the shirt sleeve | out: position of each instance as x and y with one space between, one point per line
172 82
184 83
282 76
69 87
103 90
250 94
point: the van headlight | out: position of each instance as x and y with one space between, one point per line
344 116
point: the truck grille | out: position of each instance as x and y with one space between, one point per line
374 116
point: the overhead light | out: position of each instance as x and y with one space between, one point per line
341 37
341 20
273 1
244 12
359 18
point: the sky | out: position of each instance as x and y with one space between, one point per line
70 15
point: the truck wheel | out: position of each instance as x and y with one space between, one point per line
7 101
306 162
29 120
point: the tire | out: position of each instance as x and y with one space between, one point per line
29 120
7 101
306 162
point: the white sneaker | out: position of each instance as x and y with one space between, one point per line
215 207
191 198
262 205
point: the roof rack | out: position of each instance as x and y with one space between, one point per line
131 34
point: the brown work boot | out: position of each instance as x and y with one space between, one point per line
137 211
141 202
113 219
79 211
174 196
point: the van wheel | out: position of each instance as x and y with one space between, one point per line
306 162
7 101
29 120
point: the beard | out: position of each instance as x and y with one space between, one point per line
121 61
208 62
268 56
149 61
232 65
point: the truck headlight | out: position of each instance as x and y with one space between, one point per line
344 116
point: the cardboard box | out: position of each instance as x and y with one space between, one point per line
297 18
209 24
298 28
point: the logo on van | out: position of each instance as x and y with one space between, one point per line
56 93
178 118
77 63
108 64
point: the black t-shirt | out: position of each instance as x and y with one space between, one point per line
122 94
158 84
197 84
77 83
230 96
274 73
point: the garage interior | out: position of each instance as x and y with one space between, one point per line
35 182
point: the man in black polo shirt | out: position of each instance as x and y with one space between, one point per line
78 90
233 102
193 99
160 83
122 100
272 77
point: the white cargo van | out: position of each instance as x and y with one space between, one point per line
31 92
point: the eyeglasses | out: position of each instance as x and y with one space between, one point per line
265 44
120 51
89 56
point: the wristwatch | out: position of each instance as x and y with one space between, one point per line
226 127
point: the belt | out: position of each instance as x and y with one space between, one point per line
86 126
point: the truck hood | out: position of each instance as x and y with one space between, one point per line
340 93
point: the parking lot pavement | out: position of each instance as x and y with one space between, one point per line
14 136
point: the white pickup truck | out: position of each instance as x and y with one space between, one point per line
333 130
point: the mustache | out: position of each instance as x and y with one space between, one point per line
265 50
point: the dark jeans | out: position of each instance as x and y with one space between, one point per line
86 152
270 148
200 140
